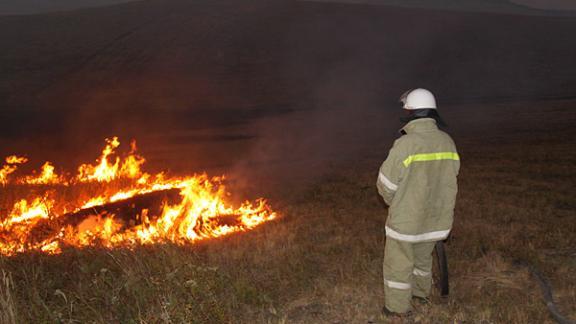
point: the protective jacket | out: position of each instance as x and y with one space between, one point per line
418 182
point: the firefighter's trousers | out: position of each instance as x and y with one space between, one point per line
407 273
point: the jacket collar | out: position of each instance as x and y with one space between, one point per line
420 125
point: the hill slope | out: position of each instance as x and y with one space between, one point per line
28 7
525 7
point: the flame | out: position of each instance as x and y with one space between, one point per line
200 210
13 159
47 176
103 171
131 165
10 167
25 212
106 171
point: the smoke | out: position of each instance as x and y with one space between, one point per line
342 107
349 64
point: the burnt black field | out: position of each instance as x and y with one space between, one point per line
205 84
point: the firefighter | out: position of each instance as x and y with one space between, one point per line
418 183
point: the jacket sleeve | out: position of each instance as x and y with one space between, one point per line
390 174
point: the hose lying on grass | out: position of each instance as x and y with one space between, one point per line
546 292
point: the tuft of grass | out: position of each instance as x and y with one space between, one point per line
7 307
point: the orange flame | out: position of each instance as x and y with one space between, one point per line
47 176
104 171
25 212
200 212
13 159
10 167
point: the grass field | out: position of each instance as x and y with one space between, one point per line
320 262
296 102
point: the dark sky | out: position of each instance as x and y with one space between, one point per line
42 6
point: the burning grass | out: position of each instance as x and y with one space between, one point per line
103 205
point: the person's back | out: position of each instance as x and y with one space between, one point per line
427 191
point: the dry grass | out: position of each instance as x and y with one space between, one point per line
8 314
321 261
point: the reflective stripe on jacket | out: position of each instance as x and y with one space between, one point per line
418 182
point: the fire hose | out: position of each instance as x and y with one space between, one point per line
442 269
442 282
546 292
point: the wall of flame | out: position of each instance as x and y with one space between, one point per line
36 222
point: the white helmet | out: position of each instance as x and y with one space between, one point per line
418 99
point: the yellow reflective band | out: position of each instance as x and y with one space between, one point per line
431 157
